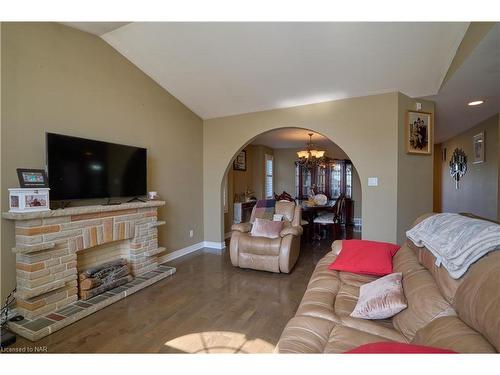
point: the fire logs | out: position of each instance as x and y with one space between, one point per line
97 280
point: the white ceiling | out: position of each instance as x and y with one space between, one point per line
221 69
478 78
290 138
96 28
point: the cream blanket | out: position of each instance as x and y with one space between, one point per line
455 240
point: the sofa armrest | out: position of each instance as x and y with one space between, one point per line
293 230
242 227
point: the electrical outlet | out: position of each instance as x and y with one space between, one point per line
191 233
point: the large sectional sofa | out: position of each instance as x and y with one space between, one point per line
462 315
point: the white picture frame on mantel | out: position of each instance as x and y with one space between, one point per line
29 199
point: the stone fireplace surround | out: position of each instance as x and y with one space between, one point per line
47 248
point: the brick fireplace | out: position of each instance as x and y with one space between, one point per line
53 246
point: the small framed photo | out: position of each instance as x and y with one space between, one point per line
240 163
418 130
32 178
478 146
29 199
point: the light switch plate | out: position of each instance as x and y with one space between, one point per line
372 181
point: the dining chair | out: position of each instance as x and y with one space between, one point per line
331 219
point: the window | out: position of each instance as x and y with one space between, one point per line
268 183
348 180
336 182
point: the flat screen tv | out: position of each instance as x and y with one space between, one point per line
81 168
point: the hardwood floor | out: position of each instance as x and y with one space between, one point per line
207 306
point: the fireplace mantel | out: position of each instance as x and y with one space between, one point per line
47 245
80 210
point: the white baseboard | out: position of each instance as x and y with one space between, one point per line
190 249
181 252
214 245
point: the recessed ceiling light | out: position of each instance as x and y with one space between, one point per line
476 102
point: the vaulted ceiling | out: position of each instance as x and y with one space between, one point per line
477 78
221 69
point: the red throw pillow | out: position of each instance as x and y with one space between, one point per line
365 257
396 348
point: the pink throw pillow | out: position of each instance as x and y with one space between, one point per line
266 228
381 299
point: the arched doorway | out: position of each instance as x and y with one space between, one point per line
279 148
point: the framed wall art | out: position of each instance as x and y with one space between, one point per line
478 147
240 163
418 131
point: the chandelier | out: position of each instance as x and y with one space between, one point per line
311 157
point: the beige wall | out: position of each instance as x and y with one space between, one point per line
228 216
284 180
366 128
436 178
415 172
58 79
253 178
478 192
238 183
259 169
243 180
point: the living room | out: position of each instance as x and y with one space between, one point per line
196 187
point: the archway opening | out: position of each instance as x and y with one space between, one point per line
266 165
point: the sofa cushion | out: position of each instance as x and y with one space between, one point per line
425 303
452 333
365 257
447 285
477 299
344 338
305 334
259 245
380 327
355 279
318 302
397 348
346 299
406 261
259 262
380 299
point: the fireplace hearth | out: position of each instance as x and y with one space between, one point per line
72 262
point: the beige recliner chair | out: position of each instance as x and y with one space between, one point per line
268 254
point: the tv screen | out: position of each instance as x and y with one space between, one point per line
81 168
